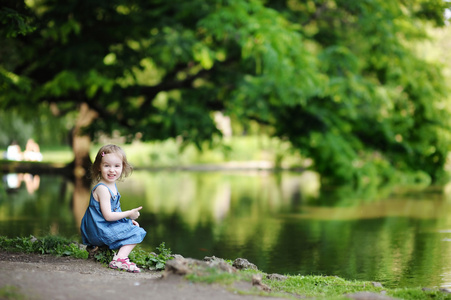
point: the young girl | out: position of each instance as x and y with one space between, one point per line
104 223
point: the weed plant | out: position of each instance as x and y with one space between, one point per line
54 245
152 261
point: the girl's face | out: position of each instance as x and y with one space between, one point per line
111 167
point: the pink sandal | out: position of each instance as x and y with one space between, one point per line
124 264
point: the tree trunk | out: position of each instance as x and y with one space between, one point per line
81 144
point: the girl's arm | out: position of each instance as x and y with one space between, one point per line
103 195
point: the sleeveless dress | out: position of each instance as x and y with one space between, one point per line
96 231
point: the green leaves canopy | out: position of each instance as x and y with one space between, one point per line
341 80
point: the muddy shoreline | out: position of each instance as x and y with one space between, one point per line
50 277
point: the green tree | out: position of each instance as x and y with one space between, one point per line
339 79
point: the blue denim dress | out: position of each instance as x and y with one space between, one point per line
96 231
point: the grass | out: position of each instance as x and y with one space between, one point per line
9 292
294 286
317 287
54 245
57 155
323 286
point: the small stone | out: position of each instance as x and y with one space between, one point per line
376 284
276 277
223 266
176 266
257 281
242 264
210 258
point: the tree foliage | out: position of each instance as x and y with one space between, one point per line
339 79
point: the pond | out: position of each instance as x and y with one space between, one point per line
278 221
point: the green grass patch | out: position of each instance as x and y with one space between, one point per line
9 292
54 245
62 154
332 287
321 286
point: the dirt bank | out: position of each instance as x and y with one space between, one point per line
50 277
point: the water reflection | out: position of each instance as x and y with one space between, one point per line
280 222
13 181
446 275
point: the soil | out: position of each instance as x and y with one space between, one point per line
39 277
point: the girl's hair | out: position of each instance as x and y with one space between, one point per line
127 169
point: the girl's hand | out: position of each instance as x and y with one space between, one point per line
134 213
135 223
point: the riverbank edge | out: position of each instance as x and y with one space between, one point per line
215 270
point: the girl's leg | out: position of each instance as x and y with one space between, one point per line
121 261
125 250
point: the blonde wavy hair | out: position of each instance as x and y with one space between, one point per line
127 169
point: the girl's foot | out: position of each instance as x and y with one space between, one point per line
124 264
